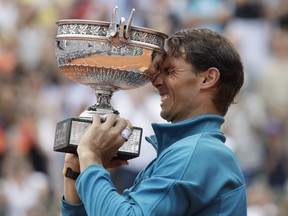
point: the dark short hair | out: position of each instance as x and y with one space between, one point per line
203 49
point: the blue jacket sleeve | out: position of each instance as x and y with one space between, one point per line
72 210
99 195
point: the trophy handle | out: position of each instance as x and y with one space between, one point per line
119 37
112 30
128 27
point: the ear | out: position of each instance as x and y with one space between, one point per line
210 78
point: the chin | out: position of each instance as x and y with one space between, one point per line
165 116
162 114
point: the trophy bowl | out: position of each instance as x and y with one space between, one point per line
107 57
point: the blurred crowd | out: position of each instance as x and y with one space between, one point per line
34 96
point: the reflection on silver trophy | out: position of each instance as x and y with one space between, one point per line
107 57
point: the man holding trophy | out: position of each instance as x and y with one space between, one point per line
198 76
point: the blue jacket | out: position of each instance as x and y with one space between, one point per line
194 174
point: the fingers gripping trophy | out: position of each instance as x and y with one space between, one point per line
107 57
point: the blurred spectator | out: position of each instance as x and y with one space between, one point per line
89 9
245 124
251 32
283 206
9 15
161 17
8 61
276 156
261 201
248 9
278 13
272 87
2 141
212 14
30 40
22 189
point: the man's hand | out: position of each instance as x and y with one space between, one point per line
100 143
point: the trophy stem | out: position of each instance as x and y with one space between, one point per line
102 105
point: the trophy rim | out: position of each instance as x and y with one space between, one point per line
91 37
105 23
104 39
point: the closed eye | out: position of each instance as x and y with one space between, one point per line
168 70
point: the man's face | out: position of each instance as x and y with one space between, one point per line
178 87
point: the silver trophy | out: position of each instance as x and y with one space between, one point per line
107 57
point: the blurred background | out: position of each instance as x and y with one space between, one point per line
34 96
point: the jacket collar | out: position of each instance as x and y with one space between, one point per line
167 134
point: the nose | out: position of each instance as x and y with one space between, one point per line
158 80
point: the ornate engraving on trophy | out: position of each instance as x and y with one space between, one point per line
107 57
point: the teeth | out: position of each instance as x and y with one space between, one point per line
164 97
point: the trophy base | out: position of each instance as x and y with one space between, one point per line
69 132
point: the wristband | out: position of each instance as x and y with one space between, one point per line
69 173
